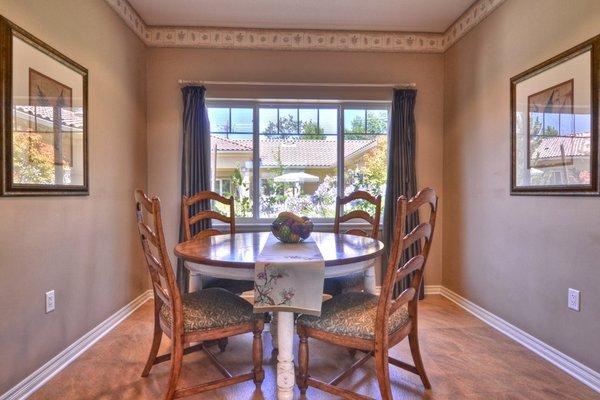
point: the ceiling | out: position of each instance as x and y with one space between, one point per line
376 15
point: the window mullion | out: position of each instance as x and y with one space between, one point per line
278 124
340 149
230 126
255 164
318 120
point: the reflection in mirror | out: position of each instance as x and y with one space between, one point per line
552 135
47 120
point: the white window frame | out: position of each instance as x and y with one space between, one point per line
340 106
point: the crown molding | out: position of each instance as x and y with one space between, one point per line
303 39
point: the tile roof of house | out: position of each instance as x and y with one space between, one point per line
575 146
224 144
69 118
299 153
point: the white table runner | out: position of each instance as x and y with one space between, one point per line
289 277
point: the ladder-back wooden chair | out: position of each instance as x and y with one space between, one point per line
190 219
202 316
373 323
372 220
335 286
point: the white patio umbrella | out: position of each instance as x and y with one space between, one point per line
296 177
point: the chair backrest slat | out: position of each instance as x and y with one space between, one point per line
423 234
401 300
207 195
409 267
209 214
145 230
152 237
372 220
155 264
190 220
421 231
160 292
357 214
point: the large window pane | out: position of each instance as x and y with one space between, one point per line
299 176
231 162
288 120
267 121
309 123
365 154
328 121
377 122
354 122
219 119
241 120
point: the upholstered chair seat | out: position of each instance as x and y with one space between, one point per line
213 308
233 285
343 284
353 314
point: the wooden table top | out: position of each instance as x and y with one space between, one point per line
241 249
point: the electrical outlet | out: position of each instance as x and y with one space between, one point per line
50 301
574 299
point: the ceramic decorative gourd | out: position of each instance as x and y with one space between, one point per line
290 228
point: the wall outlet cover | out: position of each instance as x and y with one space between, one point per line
573 302
50 301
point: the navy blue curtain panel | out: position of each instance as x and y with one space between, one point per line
195 161
401 173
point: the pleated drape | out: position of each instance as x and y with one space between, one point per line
195 161
401 173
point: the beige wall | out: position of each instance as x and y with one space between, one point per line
166 66
516 256
85 248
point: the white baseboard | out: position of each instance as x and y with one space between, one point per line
29 385
433 289
429 289
572 367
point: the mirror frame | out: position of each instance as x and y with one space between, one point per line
592 45
8 30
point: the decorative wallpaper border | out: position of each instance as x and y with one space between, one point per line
468 20
293 39
130 17
298 39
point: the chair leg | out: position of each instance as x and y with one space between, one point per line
176 361
273 331
156 339
257 352
413 340
303 361
383 373
222 343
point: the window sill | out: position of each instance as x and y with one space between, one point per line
265 226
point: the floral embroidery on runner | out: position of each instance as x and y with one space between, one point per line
265 284
289 277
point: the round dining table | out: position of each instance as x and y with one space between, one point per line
233 256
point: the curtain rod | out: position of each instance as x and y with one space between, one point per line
382 85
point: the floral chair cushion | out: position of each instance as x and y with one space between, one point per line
353 314
209 309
